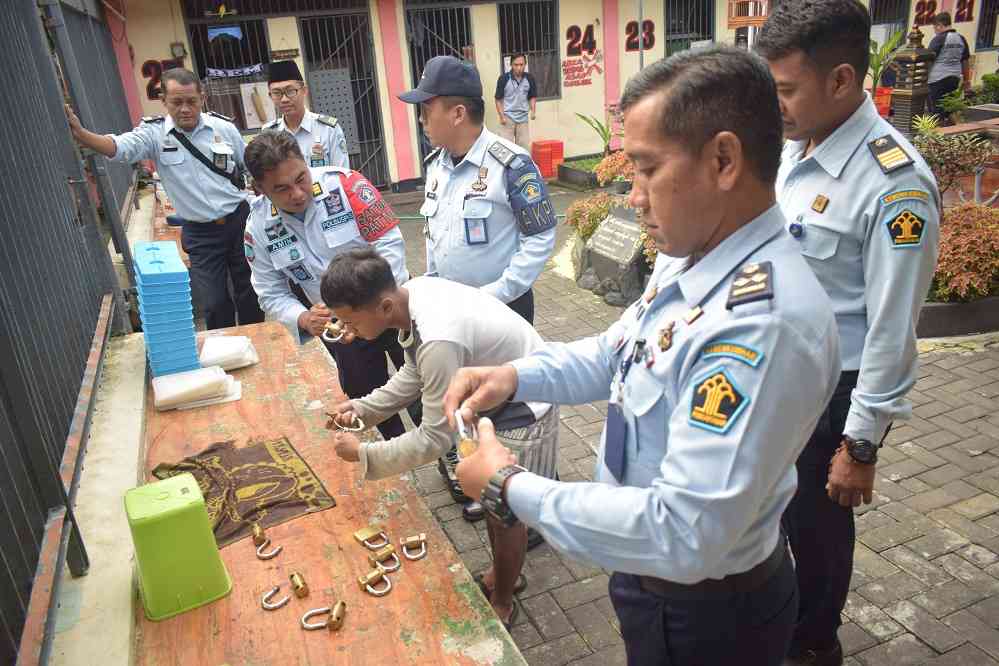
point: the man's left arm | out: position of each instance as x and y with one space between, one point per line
535 219
377 222
966 65
899 257
532 94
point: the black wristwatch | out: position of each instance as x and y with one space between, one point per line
861 450
492 496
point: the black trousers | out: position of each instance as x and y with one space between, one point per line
821 532
940 88
524 306
218 261
750 628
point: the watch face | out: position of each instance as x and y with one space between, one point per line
864 452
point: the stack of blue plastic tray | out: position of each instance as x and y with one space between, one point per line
164 288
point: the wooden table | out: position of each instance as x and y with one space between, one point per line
435 613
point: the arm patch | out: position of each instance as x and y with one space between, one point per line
374 217
528 197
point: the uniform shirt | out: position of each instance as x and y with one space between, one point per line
346 213
321 144
871 239
516 95
952 51
489 224
717 409
474 329
196 192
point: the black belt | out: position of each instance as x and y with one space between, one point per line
728 586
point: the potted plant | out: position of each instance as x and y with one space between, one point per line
950 157
617 170
964 296
881 56
584 216
579 172
954 104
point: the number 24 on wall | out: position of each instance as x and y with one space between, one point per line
580 41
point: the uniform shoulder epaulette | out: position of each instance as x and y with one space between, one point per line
502 154
754 282
432 156
889 155
328 120
152 119
220 116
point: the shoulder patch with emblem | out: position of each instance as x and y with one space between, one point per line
753 283
731 349
502 154
528 196
906 229
329 121
317 189
152 119
432 156
902 195
220 116
889 155
716 402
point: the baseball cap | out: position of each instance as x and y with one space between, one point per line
445 75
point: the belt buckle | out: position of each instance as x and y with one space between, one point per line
220 220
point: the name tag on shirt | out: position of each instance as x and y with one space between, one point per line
476 232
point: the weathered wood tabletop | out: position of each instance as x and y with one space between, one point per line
434 614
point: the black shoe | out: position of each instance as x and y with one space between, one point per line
446 465
829 657
473 512
534 538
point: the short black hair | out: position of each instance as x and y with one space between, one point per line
269 149
475 107
942 19
711 90
180 76
356 279
518 55
829 32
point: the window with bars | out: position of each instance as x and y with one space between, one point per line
228 47
688 21
531 27
987 19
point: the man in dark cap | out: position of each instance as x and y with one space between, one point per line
320 138
490 223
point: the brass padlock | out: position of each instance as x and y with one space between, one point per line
258 534
365 535
412 542
466 437
467 447
333 331
377 559
373 577
298 585
336 617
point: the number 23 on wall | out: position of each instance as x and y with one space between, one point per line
580 40
631 35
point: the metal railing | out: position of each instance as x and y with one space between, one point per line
58 297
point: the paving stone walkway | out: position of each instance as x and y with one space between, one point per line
925 586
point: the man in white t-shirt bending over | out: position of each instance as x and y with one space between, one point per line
443 326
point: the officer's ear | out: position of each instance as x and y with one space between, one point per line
725 151
841 81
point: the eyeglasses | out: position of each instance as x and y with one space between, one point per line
290 93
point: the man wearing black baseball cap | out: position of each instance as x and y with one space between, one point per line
490 223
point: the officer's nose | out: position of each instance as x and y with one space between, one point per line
637 198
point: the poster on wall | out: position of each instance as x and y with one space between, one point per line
257 108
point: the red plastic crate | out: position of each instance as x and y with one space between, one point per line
546 154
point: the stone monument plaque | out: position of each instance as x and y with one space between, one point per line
617 239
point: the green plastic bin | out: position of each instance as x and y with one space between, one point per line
178 561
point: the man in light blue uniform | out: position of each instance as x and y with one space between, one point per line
705 418
199 158
490 223
863 207
320 138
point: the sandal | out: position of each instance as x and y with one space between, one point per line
518 587
508 623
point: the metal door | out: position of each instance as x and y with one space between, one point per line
434 31
343 82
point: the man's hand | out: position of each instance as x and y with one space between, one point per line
478 389
850 482
534 116
491 456
502 118
347 446
342 413
74 122
314 320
